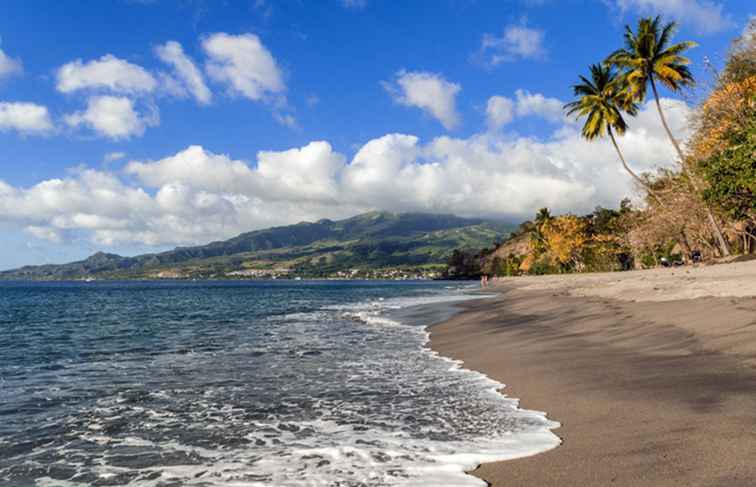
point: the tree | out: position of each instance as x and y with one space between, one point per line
648 57
724 141
602 100
543 216
566 237
731 173
536 235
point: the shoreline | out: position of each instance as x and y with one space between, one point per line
658 392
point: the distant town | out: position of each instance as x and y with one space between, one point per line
393 274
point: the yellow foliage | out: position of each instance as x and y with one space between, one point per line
720 112
565 237
527 262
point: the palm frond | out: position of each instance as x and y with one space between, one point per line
666 35
602 99
648 54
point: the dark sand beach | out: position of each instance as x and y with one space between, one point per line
652 393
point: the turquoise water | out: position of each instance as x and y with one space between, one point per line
242 383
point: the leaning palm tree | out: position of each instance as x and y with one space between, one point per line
602 99
647 58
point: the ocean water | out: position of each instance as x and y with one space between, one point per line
244 384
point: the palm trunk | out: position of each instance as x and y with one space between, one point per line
683 241
712 222
631 172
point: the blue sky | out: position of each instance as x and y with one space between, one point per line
134 126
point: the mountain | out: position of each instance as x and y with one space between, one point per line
376 244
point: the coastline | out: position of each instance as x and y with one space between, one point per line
659 392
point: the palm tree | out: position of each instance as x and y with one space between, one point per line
602 100
648 57
543 216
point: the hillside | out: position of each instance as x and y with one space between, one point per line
375 244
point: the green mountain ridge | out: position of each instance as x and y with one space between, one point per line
355 247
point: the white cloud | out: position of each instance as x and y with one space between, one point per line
197 168
190 77
285 119
704 15
535 104
114 117
517 42
428 91
9 66
499 111
244 64
25 118
196 196
113 156
107 73
44 233
305 174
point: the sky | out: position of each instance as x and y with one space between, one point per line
135 126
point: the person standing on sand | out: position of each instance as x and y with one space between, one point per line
483 275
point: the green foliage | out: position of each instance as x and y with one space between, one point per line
649 260
464 265
543 266
608 220
505 267
598 260
731 172
653 257
510 266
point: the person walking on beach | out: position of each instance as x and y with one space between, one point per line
484 281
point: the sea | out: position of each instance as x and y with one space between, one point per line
245 383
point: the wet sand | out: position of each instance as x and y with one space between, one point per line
653 393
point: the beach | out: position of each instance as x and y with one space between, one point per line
652 374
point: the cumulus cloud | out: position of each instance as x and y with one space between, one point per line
429 92
703 15
535 104
244 64
189 76
196 195
25 118
500 111
307 174
114 117
9 66
518 41
107 73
